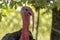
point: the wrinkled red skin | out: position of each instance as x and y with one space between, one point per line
26 22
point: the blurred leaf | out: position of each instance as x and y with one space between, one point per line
56 0
0 17
19 3
6 5
31 1
24 1
47 11
0 5
12 3
57 4
4 1
4 15
39 3
15 7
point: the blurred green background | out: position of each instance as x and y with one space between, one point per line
11 21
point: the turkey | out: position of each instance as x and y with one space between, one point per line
23 34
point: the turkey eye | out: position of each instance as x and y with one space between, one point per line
26 9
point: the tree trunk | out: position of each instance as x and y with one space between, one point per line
55 31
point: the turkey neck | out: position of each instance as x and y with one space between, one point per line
26 22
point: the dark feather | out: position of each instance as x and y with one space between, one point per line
16 36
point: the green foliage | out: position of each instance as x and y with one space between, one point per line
0 5
4 1
11 22
35 3
24 1
15 3
0 17
19 3
4 15
47 11
56 0
57 3
39 3
12 3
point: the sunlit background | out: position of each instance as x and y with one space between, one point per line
11 21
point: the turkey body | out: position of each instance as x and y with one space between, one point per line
16 36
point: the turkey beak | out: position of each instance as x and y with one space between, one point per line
32 14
